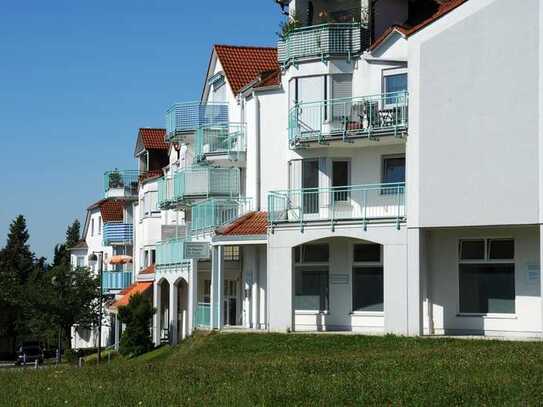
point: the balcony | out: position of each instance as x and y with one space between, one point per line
170 253
121 183
198 182
375 203
115 280
349 118
183 118
203 315
212 213
118 234
227 141
324 41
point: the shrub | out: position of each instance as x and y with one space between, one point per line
136 338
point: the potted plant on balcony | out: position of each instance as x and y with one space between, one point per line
115 180
287 27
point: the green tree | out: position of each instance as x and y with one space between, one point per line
136 338
73 234
17 264
62 251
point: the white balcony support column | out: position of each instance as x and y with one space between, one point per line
157 314
117 331
395 289
255 297
280 283
217 287
415 273
193 294
172 315
540 262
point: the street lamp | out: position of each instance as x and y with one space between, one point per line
93 258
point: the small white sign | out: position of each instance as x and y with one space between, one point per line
196 250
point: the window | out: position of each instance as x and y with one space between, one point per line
207 291
146 258
393 169
311 292
340 178
367 278
150 203
153 256
487 276
92 227
231 253
311 277
80 261
99 225
310 180
394 85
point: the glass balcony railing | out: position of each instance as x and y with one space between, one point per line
347 118
116 280
203 315
365 203
188 117
198 182
170 252
118 233
221 139
212 213
324 41
121 183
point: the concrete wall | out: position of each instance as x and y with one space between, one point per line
474 89
441 310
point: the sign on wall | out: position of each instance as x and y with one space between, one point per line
196 250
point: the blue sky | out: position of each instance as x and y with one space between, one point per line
79 77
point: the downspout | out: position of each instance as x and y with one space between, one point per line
258 183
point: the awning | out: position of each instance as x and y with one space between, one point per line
120 259
138 287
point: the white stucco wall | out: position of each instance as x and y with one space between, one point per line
474 117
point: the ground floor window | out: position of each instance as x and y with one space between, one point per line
368 289
487 288
311 289
487 276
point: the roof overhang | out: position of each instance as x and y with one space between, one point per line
239 240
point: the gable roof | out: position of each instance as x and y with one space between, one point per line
243 64
139 287
443 9
112 210
252 223
153 138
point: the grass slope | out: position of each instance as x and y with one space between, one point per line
249 369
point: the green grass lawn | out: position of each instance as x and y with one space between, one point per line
262 369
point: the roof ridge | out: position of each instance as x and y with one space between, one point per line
246 46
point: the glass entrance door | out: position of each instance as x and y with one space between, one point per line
231 298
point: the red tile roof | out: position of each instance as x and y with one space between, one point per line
127 293
112 210
253 223
243 65
442 10
153 139
148 270
271 78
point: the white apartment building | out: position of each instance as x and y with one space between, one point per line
378 172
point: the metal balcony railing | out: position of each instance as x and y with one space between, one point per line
339 40
170 252
118 233
116 280
199 182
212 213
226 138
365 203
203 315
188 117
121 182
343 119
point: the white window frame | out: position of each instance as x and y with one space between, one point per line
301 263
391 72
485 260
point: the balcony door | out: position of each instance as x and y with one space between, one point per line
308 93
310 185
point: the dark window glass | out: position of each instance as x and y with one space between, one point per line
315 253
368 289
340 178
393 170
501 249
311 289
487 288
310 179
367 252
472 249
297 257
